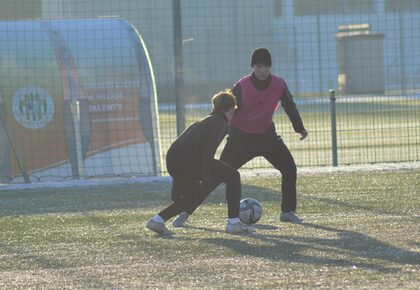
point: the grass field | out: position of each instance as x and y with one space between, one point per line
361 231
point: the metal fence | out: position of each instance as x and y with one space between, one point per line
366 51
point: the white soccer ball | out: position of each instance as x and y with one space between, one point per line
250 211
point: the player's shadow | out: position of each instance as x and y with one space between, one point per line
330 251
112 197
257 227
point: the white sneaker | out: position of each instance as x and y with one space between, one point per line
180 221
239 228
291 217
159 228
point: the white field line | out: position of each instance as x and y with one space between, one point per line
330 169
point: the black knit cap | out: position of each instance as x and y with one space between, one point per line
261 56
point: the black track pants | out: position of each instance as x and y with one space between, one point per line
187 191
239 151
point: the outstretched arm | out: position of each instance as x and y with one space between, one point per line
292 112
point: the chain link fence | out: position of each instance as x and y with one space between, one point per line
101 88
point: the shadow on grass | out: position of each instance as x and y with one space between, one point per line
71 200
357 249
137 196
351 205
31 260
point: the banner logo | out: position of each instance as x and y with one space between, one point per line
33 108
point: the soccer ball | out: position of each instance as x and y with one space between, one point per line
250 211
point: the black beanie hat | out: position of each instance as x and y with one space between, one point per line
262 56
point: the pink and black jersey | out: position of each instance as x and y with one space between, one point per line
257 104
256 113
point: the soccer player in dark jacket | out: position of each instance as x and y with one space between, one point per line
252 131
190 161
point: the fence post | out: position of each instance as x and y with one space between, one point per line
333 128
75 108
179 67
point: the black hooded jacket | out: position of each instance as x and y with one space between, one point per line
191 153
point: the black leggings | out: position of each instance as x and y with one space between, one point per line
239 151
187 190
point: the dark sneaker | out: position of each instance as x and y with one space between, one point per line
238 228
291 217
159 228
180 221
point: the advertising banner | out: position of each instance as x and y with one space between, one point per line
78 98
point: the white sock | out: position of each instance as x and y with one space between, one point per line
233 220
157 218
